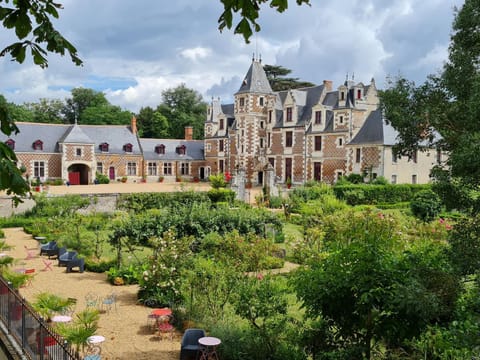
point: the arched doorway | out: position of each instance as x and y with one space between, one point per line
78 174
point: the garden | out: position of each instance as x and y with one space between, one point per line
382 271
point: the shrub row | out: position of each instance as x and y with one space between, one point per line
146 201
378 194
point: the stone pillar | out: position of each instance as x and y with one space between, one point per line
238 184
270 183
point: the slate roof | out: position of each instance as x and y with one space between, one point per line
375 131
52 134
194 149
256 80
75 135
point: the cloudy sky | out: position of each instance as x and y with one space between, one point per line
133 50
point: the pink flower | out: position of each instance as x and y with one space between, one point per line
441 220
260 276
448 226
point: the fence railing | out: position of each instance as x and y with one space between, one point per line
36 339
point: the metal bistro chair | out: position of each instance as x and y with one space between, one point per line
190 346
109 302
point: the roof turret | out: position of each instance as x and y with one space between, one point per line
256 80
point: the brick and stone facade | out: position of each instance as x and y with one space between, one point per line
316 133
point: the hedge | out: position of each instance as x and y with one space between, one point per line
358 194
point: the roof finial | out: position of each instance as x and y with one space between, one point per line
353 76
253 57
260 58
346 79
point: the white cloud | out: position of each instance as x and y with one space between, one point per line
195 53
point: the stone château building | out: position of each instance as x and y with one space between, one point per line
315 133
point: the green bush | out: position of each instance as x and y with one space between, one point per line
217 181
426 205
221 195
129 274
15 221
377 194
99 266
102 179
275 202
140 202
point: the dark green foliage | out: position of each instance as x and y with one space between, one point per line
182 106
310 192
426 205
129 274
249 12
144 201
99 266
354 178
377 194
102 179
367 288
32 24
276 76
15 221
221 195
464 240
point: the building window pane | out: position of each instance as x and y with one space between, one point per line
414 179
220 145
185 169
318 117
358 155
318 143
78 151
167 168
99 167
221 166
131 168
222 124
289 139
39 169
394 179
152 169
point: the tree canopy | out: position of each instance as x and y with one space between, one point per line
276 76
444 111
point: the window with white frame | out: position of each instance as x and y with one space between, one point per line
288 139
340 142
394 179
167 168
184 168
39 169
78 152
100 167
131 168
152 169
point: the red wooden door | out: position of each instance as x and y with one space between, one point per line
74 178
111 173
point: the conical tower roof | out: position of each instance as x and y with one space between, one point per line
256 80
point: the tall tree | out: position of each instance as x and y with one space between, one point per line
20 112
81 99
182 107
444 111
276 76
47 111
152 124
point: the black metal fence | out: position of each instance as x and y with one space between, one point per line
33 335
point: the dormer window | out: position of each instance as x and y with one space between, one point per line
289 114
10 143
222 124
181 150
242 101
38 145
160 149
103 147
260 101
127 147
342 95
318 117
359 93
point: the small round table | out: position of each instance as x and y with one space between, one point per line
94 344
61 318
162 312
210 347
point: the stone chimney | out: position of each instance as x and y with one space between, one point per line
133 125
188 132
328 85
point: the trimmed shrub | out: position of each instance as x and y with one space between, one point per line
221 195
99 266
426 205
377 194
